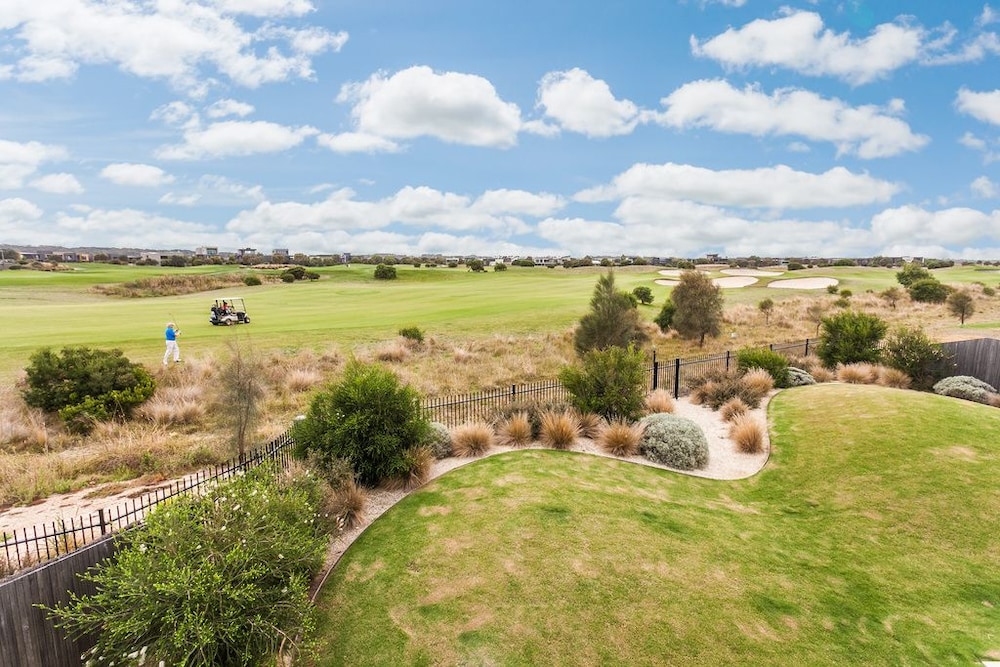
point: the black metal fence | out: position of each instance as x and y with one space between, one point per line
48 541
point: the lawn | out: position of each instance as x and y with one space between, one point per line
869 538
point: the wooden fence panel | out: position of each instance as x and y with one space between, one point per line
979 358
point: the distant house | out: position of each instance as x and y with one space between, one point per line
206 251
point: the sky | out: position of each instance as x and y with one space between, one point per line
661 128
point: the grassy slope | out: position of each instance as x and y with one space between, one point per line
868 539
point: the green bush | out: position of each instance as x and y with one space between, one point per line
966 387
673 441
774 363
251 281
412 333
384 272
613 320
643 294
311 275
287 277
929 290
850 337
438 439
666 317
369 419
218 579
86 385
832 289
795 266
799 378
609 382
911 273
911 351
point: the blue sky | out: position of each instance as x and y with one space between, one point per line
651 127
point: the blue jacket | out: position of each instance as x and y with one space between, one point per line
171 333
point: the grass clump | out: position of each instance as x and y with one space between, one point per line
747 433
560 430
733 408
515 430
620 438
659 400
893 377
674 441
472 439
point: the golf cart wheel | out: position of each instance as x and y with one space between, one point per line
246 320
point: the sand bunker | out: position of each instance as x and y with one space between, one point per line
751 272
804 283
727 283
676 273
668 283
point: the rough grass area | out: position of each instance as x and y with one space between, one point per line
870 538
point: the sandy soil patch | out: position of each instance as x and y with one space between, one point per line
752 272
804 283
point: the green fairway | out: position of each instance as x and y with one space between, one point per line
870 538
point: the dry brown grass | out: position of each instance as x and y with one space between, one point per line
560 430
420 460
758 381
822 374
659 400
346 504
857 373
302 379
620 438
515 431
590 424
472 439
747 433
893 377
394 351
733 408
175 405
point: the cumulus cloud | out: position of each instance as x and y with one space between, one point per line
184 42
59 184
518 202
357 142
19 161
18 210
779 187
913 224
450 106
229 138
135 228
223 108
984 187
180 200
580 103
867 131
981 106
137 175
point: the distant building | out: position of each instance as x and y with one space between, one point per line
206 251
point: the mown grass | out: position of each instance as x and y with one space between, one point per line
870 538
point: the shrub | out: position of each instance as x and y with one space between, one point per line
368 418
758 381
795 266
86 385
609 383
438 439
515 431
673 441
214 579
719 387
666 317
384 272
965 386
747 433
559 429
911 273
850 336
832 289
251 281
860 372
412 333
929 290
613 320
499 266
532 409
659 400
774 363
620 438
734 407
799 378
892 377
345 506
590 424
698 303
418 467
911 351
311 275
472 439
287 278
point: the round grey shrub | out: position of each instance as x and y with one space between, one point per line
439 440
673 441
799 378
965 386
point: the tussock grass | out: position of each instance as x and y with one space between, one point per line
560 430
175 405
893 377
346 504
748 434
515 431
857 373
394 351
620 438
758 381
172 285
659 400
419 461
590 424
472 439
733 408
302 379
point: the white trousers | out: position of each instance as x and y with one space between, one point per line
172 349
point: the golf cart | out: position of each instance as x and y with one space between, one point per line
229 311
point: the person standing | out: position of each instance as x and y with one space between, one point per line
171 335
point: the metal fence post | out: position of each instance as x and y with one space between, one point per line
727 361
100 517
656 371
807 348
677 377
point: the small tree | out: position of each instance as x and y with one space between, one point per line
666 317
698 303
610 382
612 321
850 337
499 266
892 296
911 351
961 305
766 306
643 294
385 272
476 265
815 313
242 392
911 273
929 290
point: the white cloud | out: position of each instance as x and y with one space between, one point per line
970 140
181 41
224 108
981 106
985 188
867 131
779 187
18 161
799 147
450 106
798 41
139 229
228 138
357 142
230 189
915 225
180 200
18 210
137 175
979 47
581 103
518 202
988 16
60 184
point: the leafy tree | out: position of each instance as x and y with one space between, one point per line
911 351
666 317
643 294
795 266
850 337
612 321
892 296
698 303
961 305
766 306
499 266
476 265
911 273
385 272
611 383
929 290
369 419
